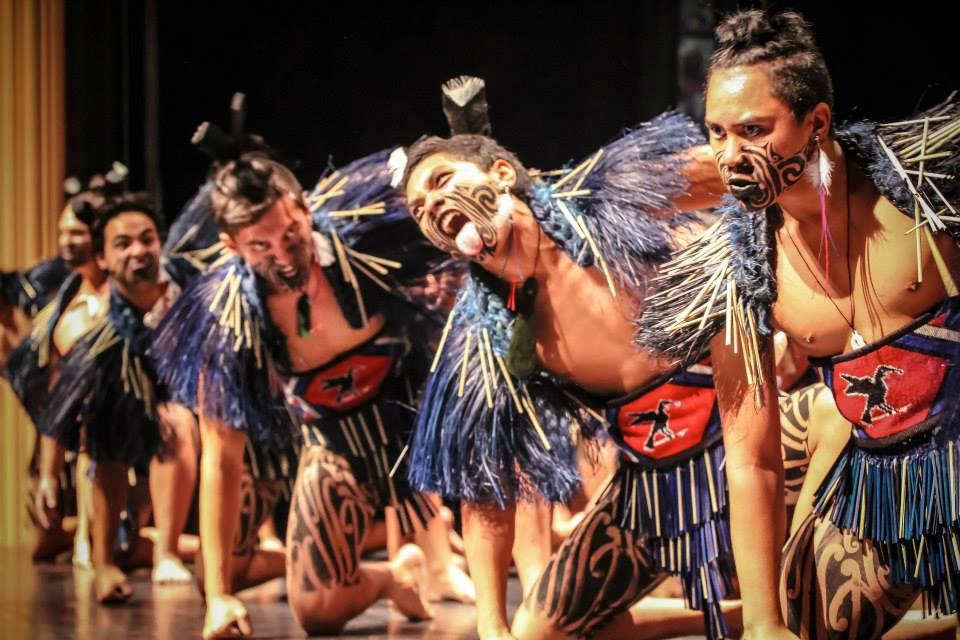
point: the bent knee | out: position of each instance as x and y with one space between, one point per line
320 612
531 623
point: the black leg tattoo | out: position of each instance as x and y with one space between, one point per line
330 516
258 501
794 438
598 572
835 586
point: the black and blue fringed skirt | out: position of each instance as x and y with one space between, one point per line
906 502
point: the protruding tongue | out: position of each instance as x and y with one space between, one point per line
468 240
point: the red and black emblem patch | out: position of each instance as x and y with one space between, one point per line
889 390
348 383
668 420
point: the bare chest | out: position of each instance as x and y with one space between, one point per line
889 284
585 334
330 334
84 311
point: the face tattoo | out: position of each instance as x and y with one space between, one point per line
762 174
465 210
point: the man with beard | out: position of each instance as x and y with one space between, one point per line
836 237
78 305
105 402
309 326
543 331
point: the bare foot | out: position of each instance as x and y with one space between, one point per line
111 585
169 569
226 617
409 573
451 583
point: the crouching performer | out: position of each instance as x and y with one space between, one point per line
543 331
105 401
302 340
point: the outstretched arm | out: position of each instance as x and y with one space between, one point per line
221 469
754 467
48 483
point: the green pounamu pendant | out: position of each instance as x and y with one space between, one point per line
522 354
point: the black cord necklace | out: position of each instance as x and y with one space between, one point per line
856 340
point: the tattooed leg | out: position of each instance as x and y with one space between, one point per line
596 574
835 586
813 434
794 432
330 516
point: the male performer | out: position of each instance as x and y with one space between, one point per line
76 307
837 238
561 265
105 400
314 316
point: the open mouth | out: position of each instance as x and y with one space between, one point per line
742 186
451 222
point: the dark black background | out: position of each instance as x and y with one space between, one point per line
338 80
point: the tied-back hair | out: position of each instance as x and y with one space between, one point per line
478 149
246 188
86 203
784 43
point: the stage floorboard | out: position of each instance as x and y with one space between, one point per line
47 602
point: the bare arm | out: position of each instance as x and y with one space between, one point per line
754 467
221 469
705 189
49 467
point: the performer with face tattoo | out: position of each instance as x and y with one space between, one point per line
542 329
304 338
841 238
105 400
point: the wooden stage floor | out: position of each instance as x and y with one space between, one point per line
55 602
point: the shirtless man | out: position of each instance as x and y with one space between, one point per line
34 364
305 319
850 275
104 400
548 312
